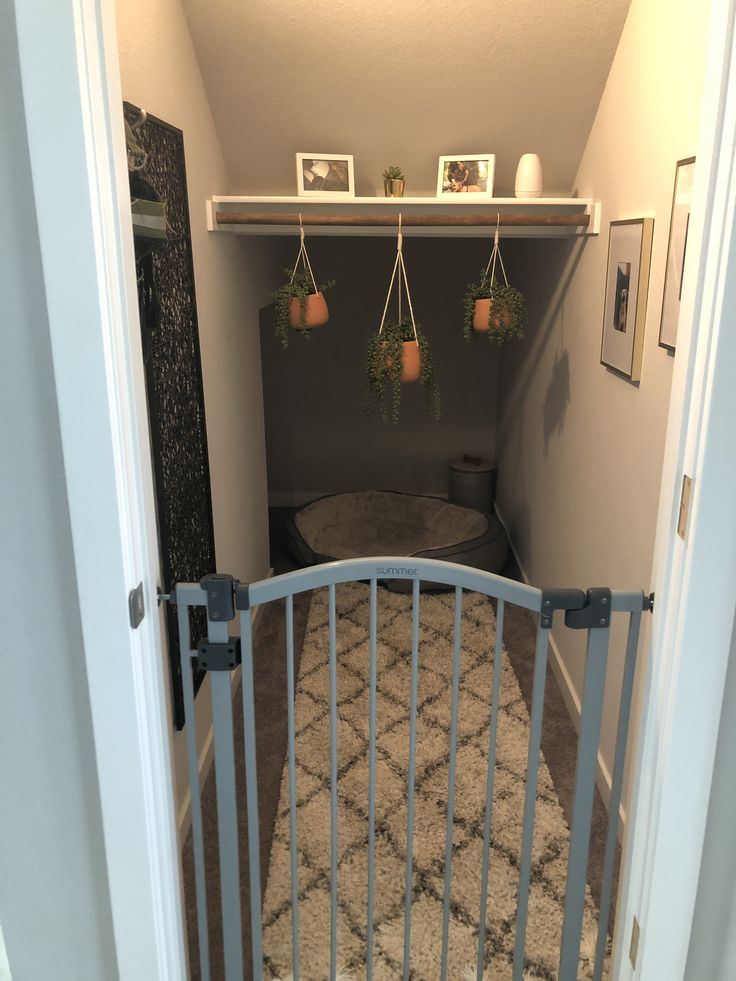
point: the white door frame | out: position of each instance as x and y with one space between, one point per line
73 105
695 578
70 72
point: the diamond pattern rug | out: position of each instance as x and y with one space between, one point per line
433 726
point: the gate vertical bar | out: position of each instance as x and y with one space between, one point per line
227 822
624 713
530 799
190 732
333 781
577 866
290 695
408 889
451 779
497 656
251 791
371 775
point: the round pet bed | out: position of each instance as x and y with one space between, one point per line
365 523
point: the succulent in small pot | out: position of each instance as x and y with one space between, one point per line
298 306
494 308
396 356
393 182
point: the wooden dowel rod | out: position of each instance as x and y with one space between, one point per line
580 220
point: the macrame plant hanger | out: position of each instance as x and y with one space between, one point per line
303 257
496 256
401 269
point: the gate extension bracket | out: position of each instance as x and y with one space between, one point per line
218 657
583 611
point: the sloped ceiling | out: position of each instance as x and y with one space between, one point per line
402 83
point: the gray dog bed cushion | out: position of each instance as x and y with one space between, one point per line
347 526
364 523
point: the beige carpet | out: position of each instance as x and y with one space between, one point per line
433 724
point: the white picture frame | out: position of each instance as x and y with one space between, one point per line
676 249
627 287
475 182
325 175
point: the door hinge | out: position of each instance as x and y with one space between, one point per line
136 606
685 497
634 945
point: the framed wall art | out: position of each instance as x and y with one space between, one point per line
627 285
466 173
676 250
325 175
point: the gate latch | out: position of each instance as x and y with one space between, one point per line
583 611
595 613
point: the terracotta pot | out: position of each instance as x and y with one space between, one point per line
316 312
411 361
499 320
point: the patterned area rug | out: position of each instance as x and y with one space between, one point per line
433 727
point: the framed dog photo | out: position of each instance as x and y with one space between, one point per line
627 285
466 174
676 249
325 175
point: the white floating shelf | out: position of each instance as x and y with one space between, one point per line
467 215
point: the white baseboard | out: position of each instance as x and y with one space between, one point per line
207 754
572 702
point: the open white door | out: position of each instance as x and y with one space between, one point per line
71 90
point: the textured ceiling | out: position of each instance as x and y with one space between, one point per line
402 83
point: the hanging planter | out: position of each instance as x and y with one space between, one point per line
494 308
399 353
300 303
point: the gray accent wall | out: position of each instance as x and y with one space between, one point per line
54 902
317 438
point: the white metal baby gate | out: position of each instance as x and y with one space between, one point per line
220 654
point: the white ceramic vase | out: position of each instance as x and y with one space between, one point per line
528 176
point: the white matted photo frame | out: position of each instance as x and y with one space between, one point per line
325 175
627 285
469 175
676 250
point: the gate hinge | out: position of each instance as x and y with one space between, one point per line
583 611
218 656
220 589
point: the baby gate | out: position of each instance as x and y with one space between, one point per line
219 654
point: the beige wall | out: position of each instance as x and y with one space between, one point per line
580 448
317 438
160 73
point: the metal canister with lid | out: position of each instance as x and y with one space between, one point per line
472 481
